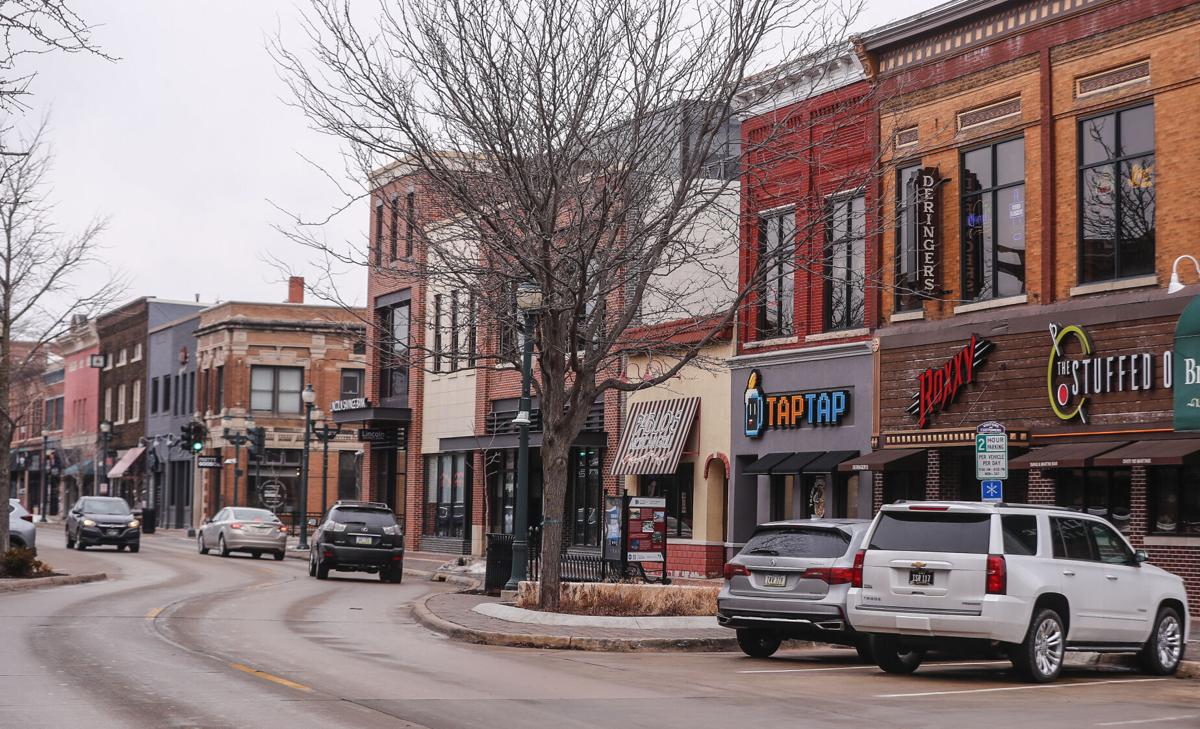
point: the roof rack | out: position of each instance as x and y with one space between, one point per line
1044 507
367 504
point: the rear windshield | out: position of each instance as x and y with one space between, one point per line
924 531
254 515
797 542
366 517
105 506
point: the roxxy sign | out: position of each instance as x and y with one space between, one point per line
938 387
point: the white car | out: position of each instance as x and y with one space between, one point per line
1034 581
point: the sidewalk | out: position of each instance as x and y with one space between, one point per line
453 614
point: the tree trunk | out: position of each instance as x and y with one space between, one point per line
5 479
555 449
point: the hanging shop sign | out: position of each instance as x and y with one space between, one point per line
208 461
654 436
272 494
352 403
1075 372
1186 375
939 387
787 410
927 220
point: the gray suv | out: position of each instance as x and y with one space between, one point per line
790 582
21 530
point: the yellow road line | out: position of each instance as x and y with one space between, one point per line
153 613
268 677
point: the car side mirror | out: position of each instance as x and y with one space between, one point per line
1140 556
312 522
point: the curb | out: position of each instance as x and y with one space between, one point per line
430 620
1188 669
56 581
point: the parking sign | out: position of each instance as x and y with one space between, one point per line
991 452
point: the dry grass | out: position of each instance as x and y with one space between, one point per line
626 599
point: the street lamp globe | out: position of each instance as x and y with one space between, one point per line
529 296
309 395
105 426
1175 286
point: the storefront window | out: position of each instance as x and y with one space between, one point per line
584 502
903 486
274 484
394 325
447 480
906 240
993 214
1097 491
348 469
502 470
1116 195
1174 501
676 488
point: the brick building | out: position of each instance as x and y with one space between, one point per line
36 404
253 361
1035 198
802 377
79 456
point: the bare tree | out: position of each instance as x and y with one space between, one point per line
589 147
35 27
39 265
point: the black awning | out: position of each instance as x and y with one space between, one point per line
505 441
888 459
373 415
763 465
829 461
796 462
1064 455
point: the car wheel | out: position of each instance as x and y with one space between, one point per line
120 547
758 643
322 571
892 657
1039 658
70 542
279 556
312 564
221 546
256 555
1164 650
391 575
79 542
865 654
200 544
135 548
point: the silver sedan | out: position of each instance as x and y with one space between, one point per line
242 529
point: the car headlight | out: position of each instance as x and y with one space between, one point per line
133 523
89 522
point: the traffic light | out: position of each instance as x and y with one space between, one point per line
194 434
258 441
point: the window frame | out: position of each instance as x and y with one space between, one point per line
410 222
437 332
994 191
378 253
135 404
394 231
1154 486
776 275
906 218
153 395
1115 162
359 374
391 349
846 200
1112 486
275 390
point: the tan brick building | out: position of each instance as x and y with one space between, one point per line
1038 167
254 359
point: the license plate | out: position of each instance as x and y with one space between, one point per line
920 577
114 532
776 581
362 540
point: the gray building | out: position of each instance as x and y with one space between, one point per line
169 404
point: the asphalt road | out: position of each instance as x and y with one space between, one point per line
179 640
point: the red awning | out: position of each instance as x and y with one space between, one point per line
128 458
654 436
1154 453
1064 455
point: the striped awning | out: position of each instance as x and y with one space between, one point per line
654 436
128 458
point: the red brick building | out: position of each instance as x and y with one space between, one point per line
1036 197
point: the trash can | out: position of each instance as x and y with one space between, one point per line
499 563
149 520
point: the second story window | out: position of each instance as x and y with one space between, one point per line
379 233
777 292
351 384
437 333
1116 195
394 232
219 390
410 222
906 239
845 263
993 214
276 389
153 395
393 374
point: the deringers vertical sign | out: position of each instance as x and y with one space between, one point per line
927 220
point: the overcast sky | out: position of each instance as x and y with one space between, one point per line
186 141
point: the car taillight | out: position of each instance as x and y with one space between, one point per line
997 575
732 570
929 508
236 525
283 528
856 571
27 517
829 575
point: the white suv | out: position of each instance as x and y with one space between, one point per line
1034 581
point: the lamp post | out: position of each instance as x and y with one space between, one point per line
238 440
325 433
529 299
309 396
105 437
1175 286
45 474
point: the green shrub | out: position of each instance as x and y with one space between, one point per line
21 562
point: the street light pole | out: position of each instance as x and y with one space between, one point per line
45 474
325 433
529 298
309 396
105 435
238 440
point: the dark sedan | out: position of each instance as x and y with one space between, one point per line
97 520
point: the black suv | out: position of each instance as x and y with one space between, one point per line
96 520
358 536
